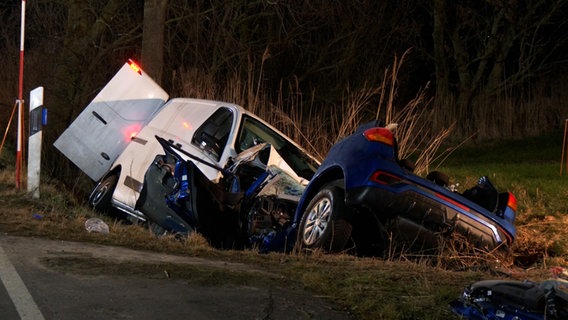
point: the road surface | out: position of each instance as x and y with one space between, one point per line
29 289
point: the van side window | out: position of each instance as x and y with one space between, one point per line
213 134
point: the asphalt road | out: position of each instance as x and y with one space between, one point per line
31 290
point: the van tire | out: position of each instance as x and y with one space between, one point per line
100 198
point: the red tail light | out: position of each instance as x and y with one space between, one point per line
512 202
382 135
384 178
134 66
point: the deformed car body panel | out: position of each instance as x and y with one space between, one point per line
233 213
513 300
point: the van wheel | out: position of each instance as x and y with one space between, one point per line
100 198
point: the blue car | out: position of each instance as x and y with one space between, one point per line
362 196
361 199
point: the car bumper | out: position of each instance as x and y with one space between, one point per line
414 215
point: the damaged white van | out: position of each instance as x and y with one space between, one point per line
114 141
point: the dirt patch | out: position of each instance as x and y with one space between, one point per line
195 273
93 259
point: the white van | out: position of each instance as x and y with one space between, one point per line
113 139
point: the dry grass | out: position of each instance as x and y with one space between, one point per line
542 241
317 132
405 286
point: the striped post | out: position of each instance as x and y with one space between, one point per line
20 136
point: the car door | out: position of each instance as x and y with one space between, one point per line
107 125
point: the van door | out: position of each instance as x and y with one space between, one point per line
103 130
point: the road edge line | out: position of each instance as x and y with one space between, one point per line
21 297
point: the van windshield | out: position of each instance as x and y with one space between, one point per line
254 132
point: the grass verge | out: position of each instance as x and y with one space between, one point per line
402 287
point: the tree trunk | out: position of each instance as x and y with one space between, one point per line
440 52
153 38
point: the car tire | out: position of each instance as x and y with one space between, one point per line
100 198
439 178
324 224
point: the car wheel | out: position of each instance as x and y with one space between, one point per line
324 224
100 198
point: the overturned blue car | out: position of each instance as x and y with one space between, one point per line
360 199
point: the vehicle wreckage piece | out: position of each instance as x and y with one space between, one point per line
513 300
252 202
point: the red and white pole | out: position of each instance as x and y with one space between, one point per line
20 135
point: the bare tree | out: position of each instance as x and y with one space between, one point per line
153 37
486 47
